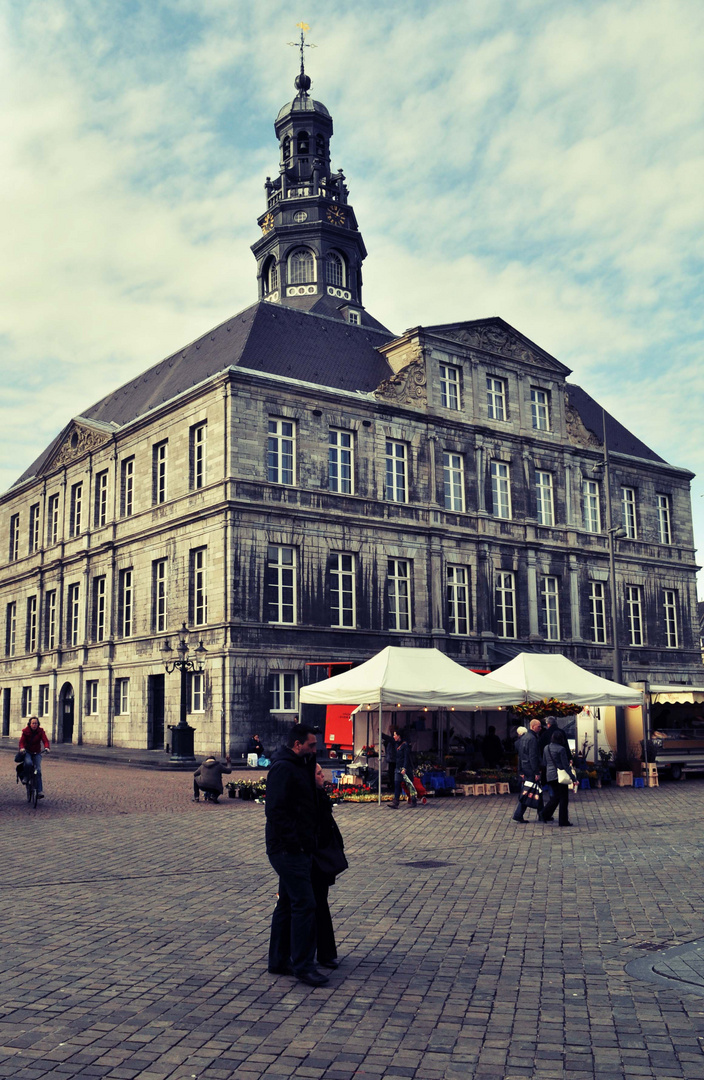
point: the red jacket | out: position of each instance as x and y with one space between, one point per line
32 741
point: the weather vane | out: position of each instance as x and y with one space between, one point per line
302 44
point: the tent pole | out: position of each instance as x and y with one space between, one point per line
379 747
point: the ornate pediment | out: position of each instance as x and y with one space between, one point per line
408 387
576 429
504 341
79 438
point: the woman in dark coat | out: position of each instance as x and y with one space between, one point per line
556 756
329 839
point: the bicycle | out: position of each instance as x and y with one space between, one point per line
30 782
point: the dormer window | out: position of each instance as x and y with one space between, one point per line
303 142
353 317
335 270
301 267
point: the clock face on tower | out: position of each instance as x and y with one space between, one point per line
335 215
268 223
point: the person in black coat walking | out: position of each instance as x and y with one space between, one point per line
528 764
404 763
291 837
329 842
555 757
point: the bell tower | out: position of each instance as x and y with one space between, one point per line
310 252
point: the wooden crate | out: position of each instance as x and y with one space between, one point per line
652 781
477 789
490 789
624 779
503 789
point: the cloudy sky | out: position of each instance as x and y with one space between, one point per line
541 160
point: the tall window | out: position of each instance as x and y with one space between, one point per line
127 487
50 619
76 510
100 510
122 697
590 505
99 608
449 386
281 584
52 520
458 599
342 590
671 634
396 481
92 697
73 612
500 489
198 591
551 609
399 594
597 612
284 691
26 701
664 530
505 604
11 629
271 276
197 691
540 409
341 461
335 270
496 398
197 455
43 708
453 480
160 456
159 587
301 267
281 447
14 537
634 615
125 602
628 512
33 528
544 502
31 625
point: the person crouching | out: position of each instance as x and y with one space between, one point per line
208 779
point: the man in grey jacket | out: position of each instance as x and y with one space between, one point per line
528 765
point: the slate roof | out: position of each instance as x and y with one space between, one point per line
618 438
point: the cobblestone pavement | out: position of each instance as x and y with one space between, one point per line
135 926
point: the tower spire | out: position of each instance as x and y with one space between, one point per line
302 81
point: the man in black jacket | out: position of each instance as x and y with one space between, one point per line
290 841
528 764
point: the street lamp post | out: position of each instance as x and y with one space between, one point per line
614 533
182 733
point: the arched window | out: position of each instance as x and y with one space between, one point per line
303 143
301 267
320 146
270 276
287 148
335 270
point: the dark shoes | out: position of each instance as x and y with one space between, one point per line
40 795
518 820
313 978
565 824
392 805
332 963
286 970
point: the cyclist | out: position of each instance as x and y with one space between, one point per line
32 739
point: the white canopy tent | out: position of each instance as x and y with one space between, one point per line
407 678
541 676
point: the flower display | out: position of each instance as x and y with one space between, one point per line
538 710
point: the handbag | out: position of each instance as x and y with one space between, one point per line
330 860
530 795
563 777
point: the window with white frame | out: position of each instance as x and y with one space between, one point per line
125 602
281 452
52 520
551 608
43 709
50 619
197 455
597 612
458 609
505 603
671 632
353 317
100 510
73 614
335 270
197 691
127 487
281 584
76 516
496 398
301 267
590 506
198 606
664 530
396 471
284 691
122 697
399 594
159 591
341 461
544 500
342 590
14 538
500 489
26 701
31 625
92 697
634 614
540 409
453 481
449 386
160 460
99 608
11 628
33 545
628 512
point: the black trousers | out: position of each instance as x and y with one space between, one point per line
324 933
561 799
293 924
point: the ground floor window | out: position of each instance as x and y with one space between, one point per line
284 691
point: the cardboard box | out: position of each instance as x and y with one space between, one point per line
490 789
624 779
476 789
503 789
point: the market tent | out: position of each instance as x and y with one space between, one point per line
549 675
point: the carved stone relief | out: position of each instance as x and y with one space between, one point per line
79 441
576 430
495 339
408 387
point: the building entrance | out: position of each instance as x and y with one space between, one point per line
155 732
66 713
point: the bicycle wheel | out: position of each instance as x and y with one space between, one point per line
29 785
35 795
